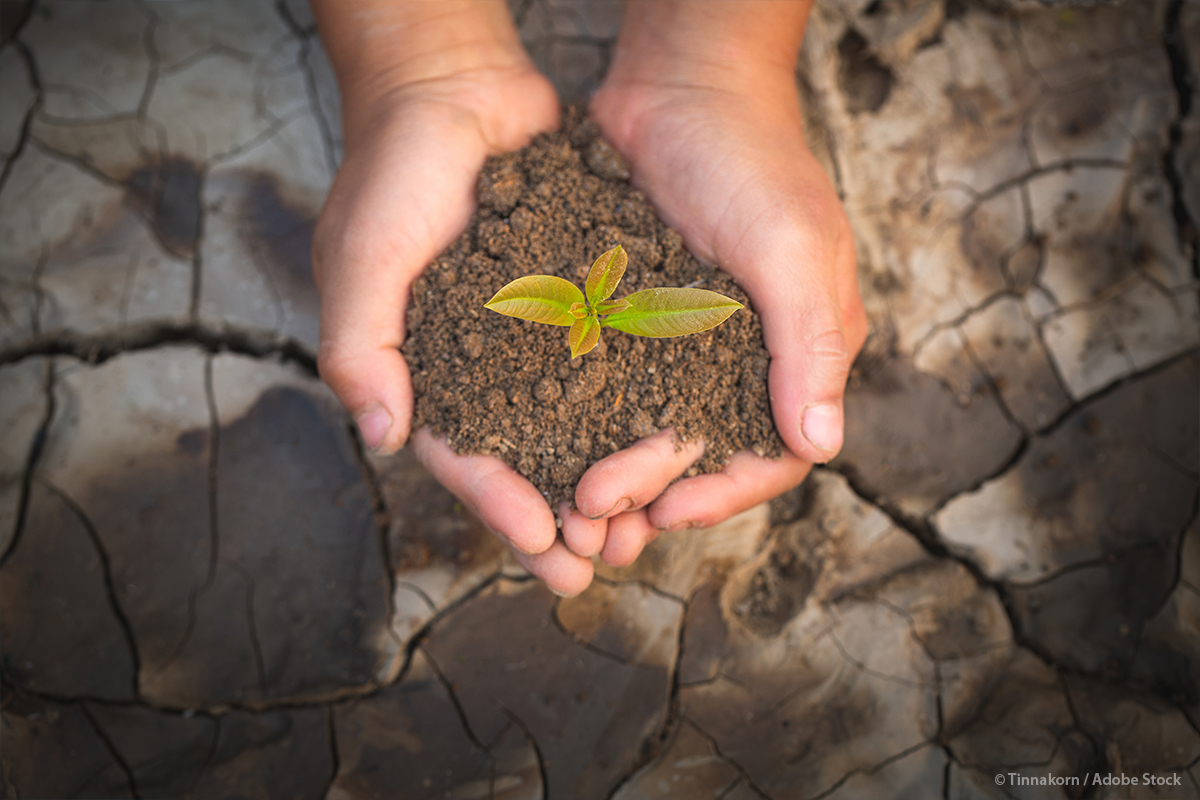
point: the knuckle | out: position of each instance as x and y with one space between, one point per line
829 345
335 365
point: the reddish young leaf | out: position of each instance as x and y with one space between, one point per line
585 333
605 274
611 306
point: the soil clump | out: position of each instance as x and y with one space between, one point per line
501 386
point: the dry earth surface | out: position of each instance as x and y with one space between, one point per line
208 590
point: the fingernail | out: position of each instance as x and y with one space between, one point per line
822 426
557 593
624 504
373 425
678 526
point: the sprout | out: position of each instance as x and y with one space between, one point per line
650 312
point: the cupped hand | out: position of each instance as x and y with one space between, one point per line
404 191
726 164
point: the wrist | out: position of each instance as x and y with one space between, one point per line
383 52
711 43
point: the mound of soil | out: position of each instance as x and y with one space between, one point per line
509 388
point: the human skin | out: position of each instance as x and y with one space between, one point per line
701 100
429 90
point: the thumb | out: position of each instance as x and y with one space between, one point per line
364 262
363 274
813 323
373 383
359 358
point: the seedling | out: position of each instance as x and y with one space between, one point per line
651 312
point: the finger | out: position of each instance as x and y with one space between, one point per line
584 537
362 328
801 311
631 478
507 503
707 500
373 382
564 573
388 214
628 535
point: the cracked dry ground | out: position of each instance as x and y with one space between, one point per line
208 590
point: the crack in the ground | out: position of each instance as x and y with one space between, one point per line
1106 560
653 750
308 40
959 320
1039 331
1074 408
643 583
741 771
1067 165
197 287
537 754
152 55
814 111
216 711
586 645
873 769
1104 391
314 102
383 524
95 349
214 451
34 454
938 685
657 743
334 756
422 633
993 387
1181 80
979 767
214 430
419 592
293 24
1177 579
873 673
728 790
1101 298
111 748
276 124
946 771
461 712
1099 762
252 627
926 535
1192 778
109 586
22 12
34 107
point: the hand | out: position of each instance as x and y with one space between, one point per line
718 147
417 133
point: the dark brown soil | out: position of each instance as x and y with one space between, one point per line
509 388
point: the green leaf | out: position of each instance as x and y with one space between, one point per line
672 312
605 274
537 298
585 333
578 310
